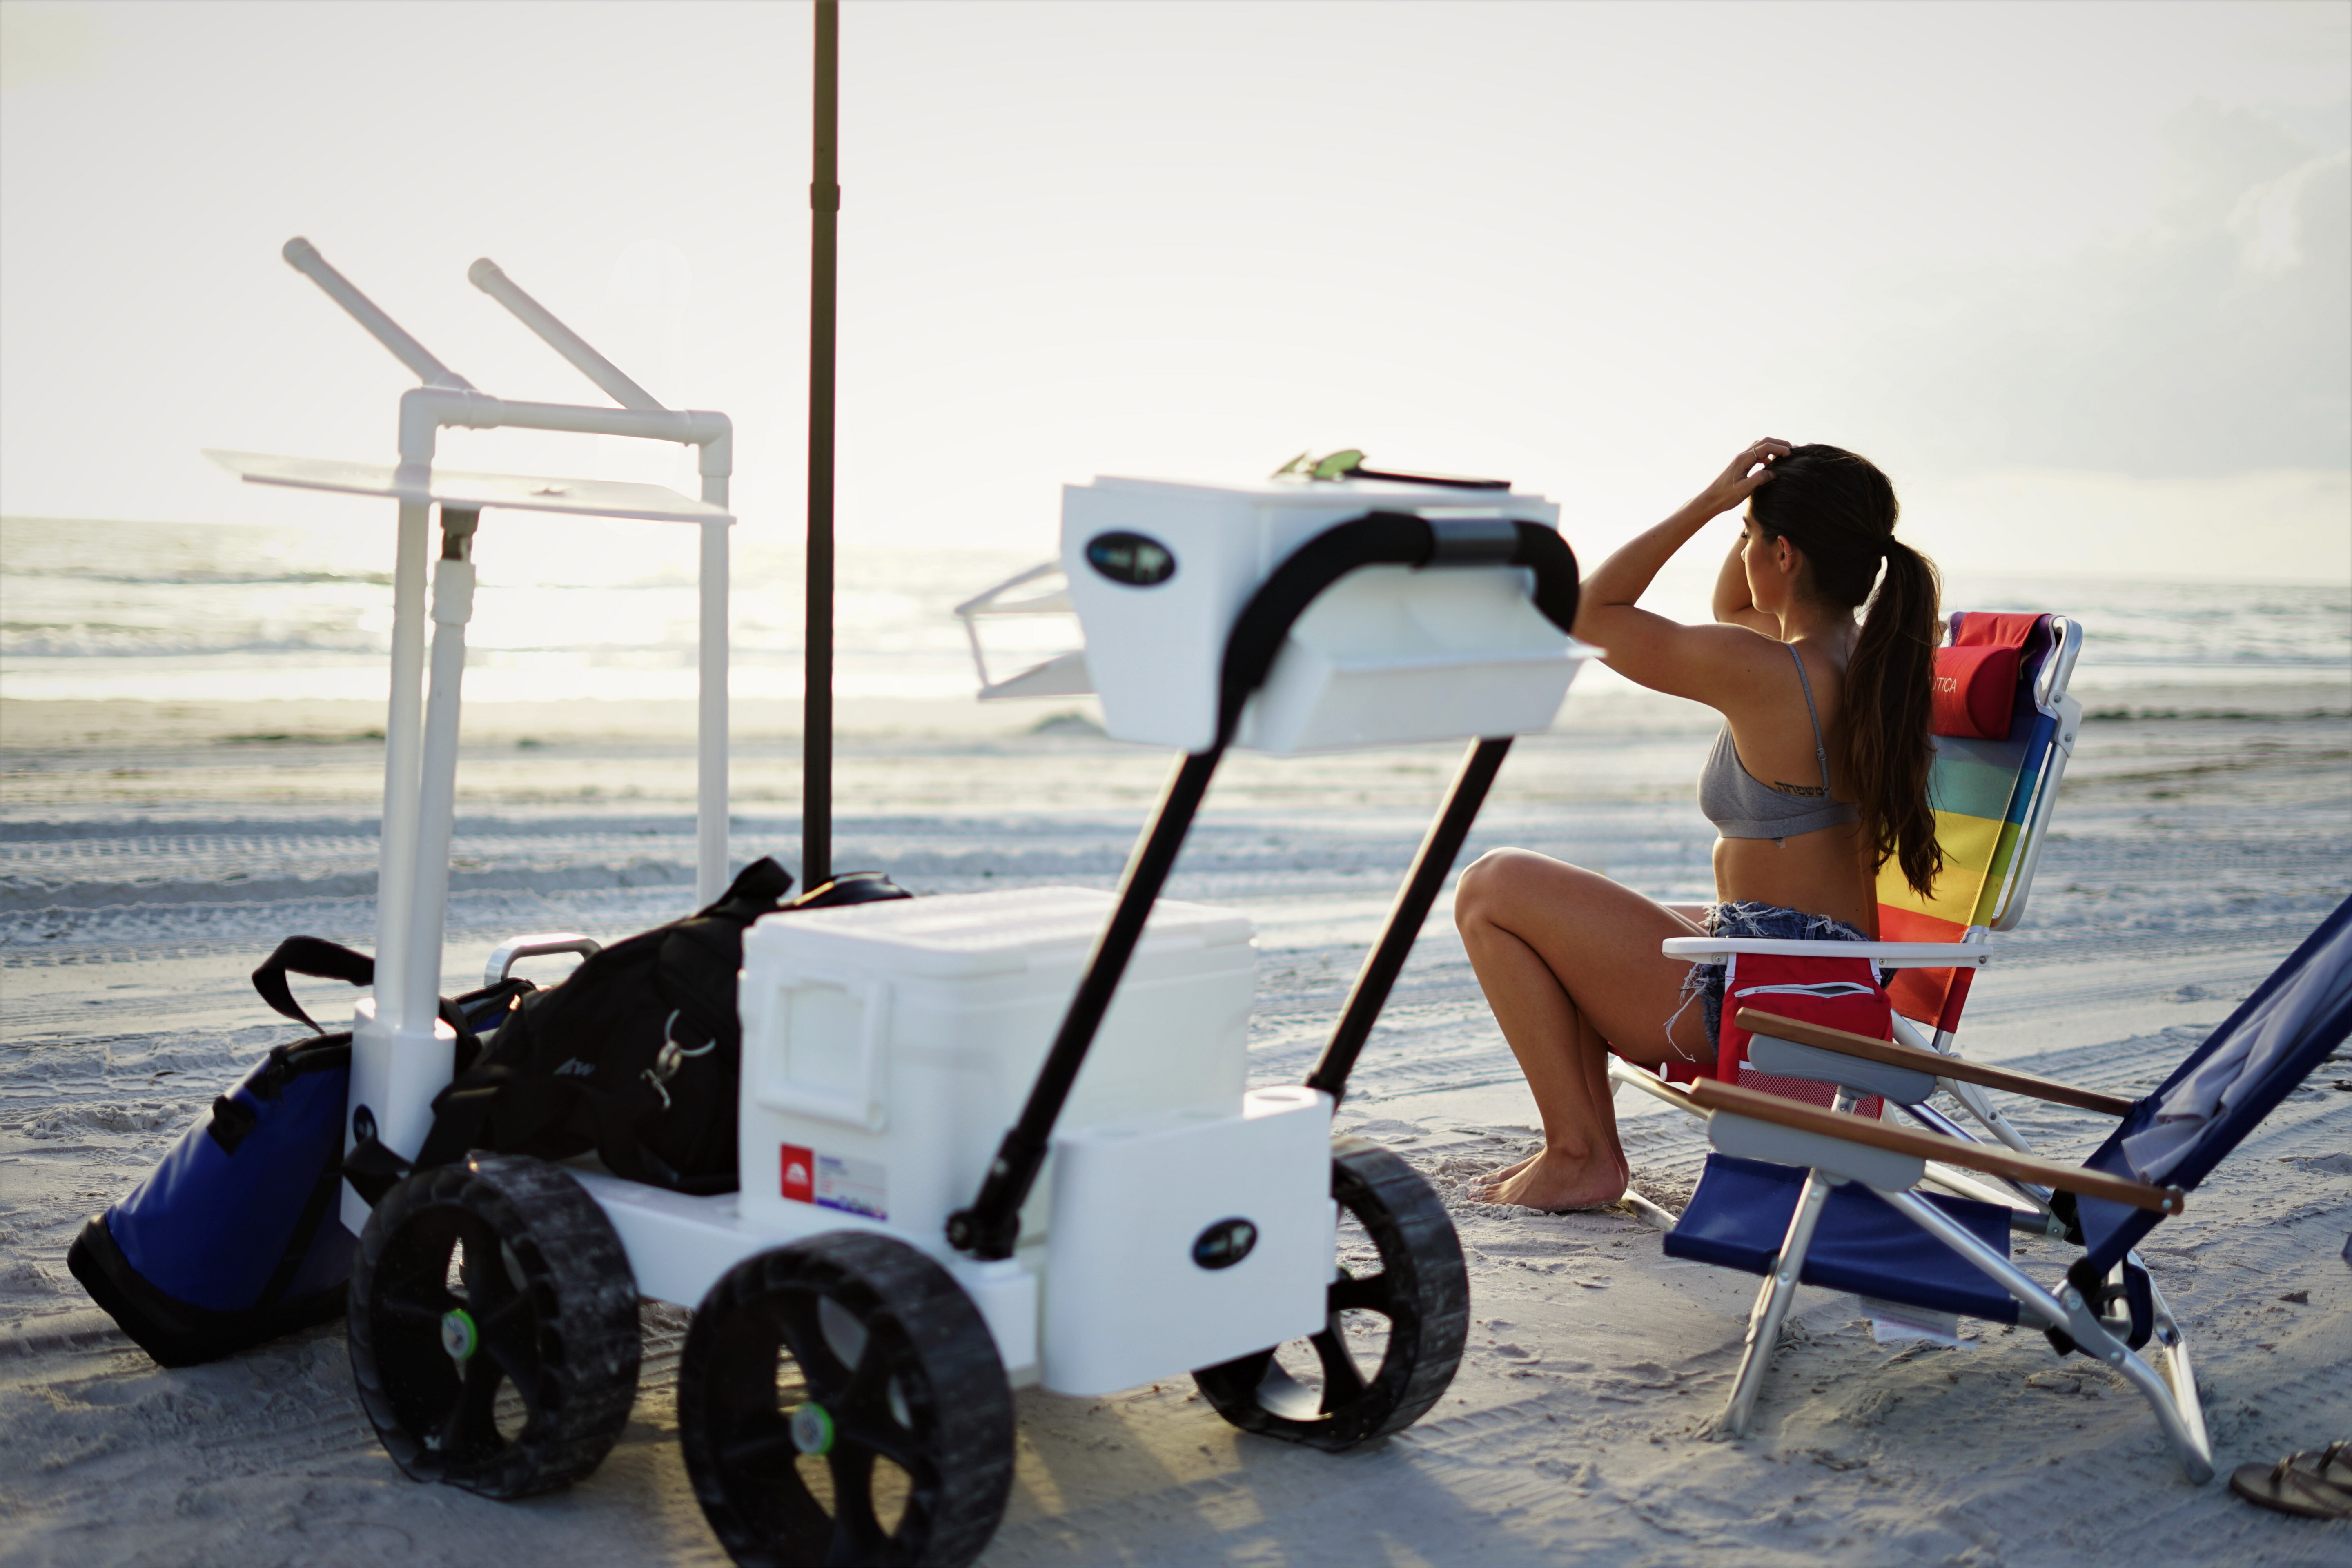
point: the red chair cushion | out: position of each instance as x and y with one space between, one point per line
1976 690
1986 629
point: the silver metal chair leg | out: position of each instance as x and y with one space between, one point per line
2183 1420
2180 1373
1773 1303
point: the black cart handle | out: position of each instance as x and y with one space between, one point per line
1383 538
991 1226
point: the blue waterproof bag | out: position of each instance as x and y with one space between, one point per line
235 1237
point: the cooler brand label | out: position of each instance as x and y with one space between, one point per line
1137 560
829 1181
853 1186
800 1174
1224 1243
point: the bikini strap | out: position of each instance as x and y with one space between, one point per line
1821 752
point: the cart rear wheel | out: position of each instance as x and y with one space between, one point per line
1317 1391
494 1327
840 1400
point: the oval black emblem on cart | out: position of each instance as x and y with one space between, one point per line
1224 1243
1137 560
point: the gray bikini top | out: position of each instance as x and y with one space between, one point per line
1743 806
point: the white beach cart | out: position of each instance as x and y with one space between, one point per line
986 1140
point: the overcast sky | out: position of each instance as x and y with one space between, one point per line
2075 276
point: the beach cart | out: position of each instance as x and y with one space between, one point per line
988 1140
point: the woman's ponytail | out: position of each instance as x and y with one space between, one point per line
1889 701
1839 512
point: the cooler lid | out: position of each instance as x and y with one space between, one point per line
962 934
1428 500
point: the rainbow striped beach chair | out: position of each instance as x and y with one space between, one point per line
2005 727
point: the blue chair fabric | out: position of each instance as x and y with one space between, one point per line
2112 1230
1740 1216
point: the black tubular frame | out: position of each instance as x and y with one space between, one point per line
991 1227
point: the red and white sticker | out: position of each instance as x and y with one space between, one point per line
800 1174
832 1182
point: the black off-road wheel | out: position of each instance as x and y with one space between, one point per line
494 1327
841 1400
1400 1306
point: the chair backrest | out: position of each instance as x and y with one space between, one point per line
2111 1229
1993 799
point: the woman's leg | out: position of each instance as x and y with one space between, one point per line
1569 964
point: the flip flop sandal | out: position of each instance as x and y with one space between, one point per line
2299 1489
2334 1465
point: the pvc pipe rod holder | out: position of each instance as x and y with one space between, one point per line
304 258
485 275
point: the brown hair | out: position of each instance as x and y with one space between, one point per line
1838 511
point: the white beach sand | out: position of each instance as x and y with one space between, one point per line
150 853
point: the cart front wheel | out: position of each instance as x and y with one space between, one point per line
1403 1312
840 1400
494 1327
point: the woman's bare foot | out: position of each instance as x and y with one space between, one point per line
1495 1178
1556 1184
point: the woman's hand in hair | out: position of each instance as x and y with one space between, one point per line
1736 483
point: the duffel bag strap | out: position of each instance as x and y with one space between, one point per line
459 1114
314 956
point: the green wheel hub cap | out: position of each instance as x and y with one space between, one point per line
811 1429
458 1335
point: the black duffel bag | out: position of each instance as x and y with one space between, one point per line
637 1055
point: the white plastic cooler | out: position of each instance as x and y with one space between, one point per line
893 1042
888 1045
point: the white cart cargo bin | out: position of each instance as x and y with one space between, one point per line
1391 653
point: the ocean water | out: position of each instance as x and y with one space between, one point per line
568 609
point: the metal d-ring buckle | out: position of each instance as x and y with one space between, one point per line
671 1056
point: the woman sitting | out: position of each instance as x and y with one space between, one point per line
1819 778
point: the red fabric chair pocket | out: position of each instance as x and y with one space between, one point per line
1976 692
1835 992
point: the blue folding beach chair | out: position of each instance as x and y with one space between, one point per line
1803 1195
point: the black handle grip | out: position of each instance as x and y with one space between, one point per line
1384 539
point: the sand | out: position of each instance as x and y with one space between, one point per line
149 854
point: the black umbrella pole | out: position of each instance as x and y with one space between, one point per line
816 704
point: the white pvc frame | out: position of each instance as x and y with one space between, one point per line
402 1055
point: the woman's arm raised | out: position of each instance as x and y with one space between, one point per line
1734 599
1707 663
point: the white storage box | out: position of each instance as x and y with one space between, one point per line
1159 571
888 1048
1187 1237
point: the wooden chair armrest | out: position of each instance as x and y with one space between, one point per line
1712 1095
1756 1021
